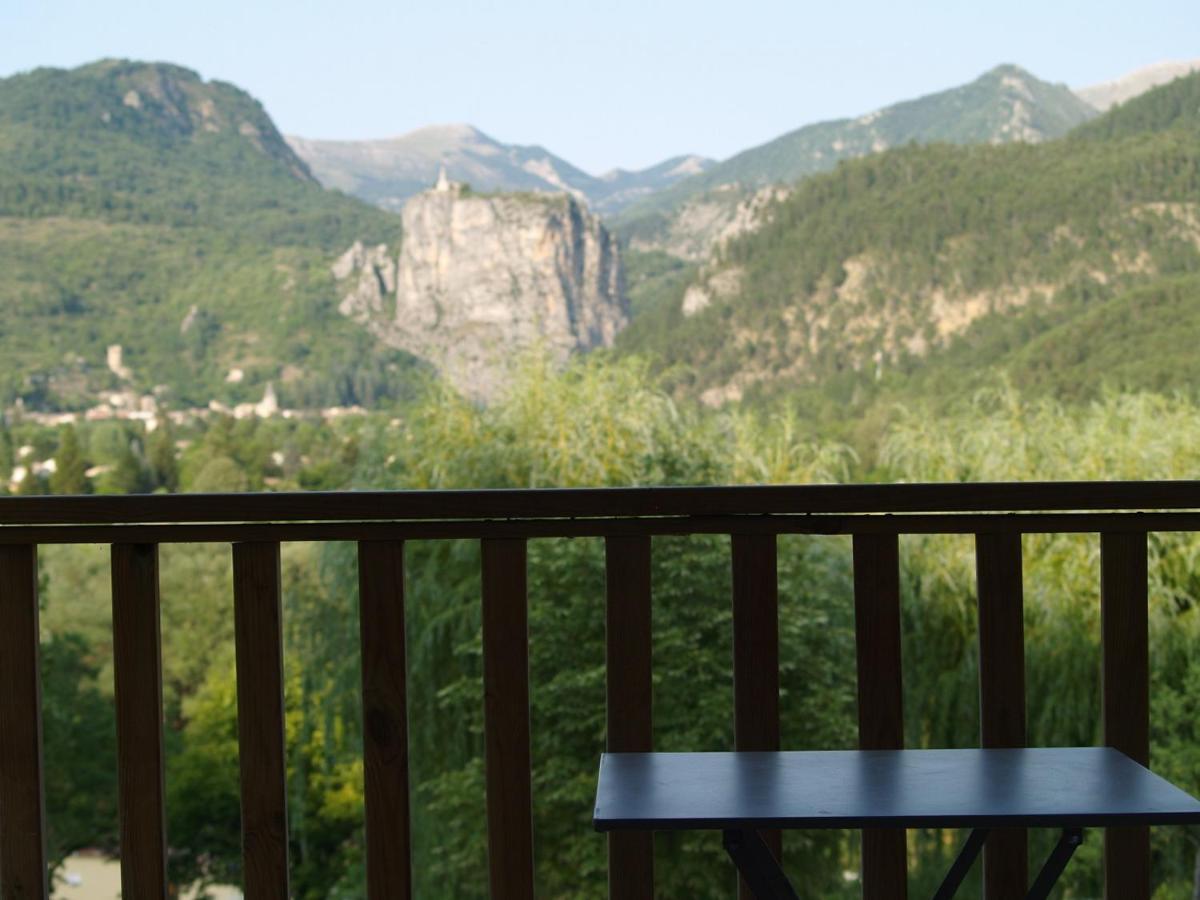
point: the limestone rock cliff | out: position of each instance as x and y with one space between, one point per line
481 277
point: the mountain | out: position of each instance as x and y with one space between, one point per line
448 296
955 260
387 172
159 237
1107 94
1005 104
144 207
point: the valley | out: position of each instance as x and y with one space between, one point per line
999 281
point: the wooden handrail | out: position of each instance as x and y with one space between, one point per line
376 506
775 523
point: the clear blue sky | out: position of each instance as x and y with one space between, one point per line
619 83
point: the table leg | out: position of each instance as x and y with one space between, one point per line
1071 838
756 864
962 864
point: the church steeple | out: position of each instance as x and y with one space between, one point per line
443 183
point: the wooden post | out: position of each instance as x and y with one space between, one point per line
506 720
22 805
385 719
1002 694
880 698
137 664
258 631
756 656
628 646
1126 697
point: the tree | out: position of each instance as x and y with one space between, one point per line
70 473
6 454
164 467
129 475
80 741
32 485
220 475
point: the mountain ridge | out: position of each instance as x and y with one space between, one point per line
1006 103
388 171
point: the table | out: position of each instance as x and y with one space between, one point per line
739 793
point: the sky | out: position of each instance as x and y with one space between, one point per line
623 83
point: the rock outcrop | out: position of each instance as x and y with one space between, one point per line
480 277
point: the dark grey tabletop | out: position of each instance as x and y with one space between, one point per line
1060 786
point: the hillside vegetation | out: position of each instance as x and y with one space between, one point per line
143 206
871 276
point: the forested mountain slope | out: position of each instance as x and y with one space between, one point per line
875 271
143 206
1003 105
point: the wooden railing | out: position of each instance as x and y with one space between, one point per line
875 515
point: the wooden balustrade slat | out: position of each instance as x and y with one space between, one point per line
880 700
137 664
385 719
1002 693
1125 681
756 656
630 723
259 647
506 720
22 805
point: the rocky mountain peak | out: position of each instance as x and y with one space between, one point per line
1108 94
479 278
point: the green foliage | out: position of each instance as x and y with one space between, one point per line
161 459
70 467
203 803
220 475
6 454
80 750
33 484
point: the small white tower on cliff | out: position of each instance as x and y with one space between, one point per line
443 183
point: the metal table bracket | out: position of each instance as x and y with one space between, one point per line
756 864
1071 839
962 864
